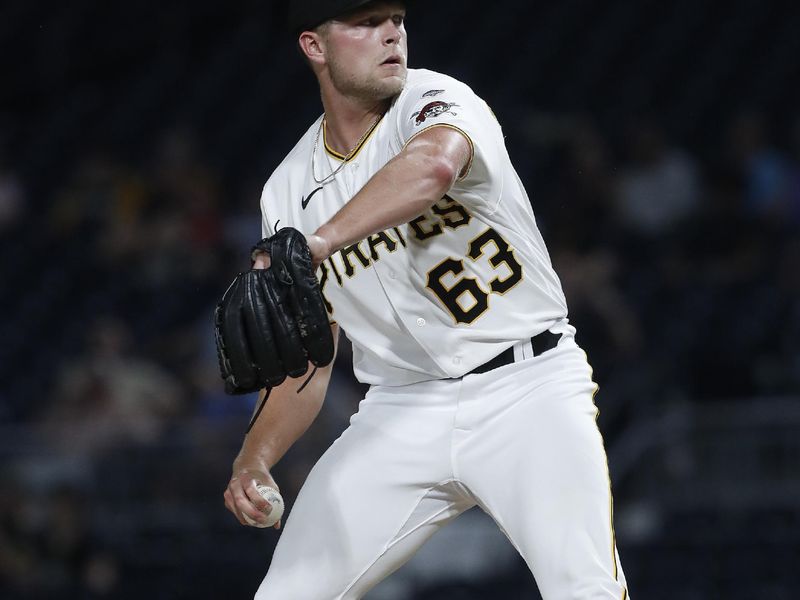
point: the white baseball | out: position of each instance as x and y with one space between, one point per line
275 500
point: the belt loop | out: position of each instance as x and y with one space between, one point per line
527 349
522 350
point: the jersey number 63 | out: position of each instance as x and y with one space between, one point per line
467 298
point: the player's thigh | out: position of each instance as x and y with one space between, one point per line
539 468
377 494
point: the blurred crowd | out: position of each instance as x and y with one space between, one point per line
680 266
134 141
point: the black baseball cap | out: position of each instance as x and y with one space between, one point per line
307 14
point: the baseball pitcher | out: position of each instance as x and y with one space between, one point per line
399 217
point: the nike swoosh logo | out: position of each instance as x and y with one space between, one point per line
304 201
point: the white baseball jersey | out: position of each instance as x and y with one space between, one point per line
449 290
423 304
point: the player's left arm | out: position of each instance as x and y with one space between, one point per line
404 188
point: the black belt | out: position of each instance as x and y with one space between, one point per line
541 343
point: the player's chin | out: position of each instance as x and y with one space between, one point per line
393 84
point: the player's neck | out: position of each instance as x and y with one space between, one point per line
347 119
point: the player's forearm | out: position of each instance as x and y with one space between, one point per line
286 416
406 187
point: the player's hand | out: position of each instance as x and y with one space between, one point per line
320 250
242 497
262 261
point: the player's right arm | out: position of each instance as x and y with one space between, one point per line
285 417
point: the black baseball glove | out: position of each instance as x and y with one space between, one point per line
272 322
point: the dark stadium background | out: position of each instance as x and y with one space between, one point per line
660 143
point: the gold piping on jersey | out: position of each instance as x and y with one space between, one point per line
468 168
354 152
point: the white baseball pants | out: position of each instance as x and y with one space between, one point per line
520 441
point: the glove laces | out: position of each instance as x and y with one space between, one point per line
266 396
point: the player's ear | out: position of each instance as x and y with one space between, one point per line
312 46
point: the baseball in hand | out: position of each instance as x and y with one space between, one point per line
272 496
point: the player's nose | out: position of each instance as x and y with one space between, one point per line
392 32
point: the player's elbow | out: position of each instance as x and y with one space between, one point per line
441 155
442 172
431 175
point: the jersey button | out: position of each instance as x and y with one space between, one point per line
456 360
421 322
392 275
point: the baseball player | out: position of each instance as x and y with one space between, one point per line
430 260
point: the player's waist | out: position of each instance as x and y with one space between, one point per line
382 365
534 346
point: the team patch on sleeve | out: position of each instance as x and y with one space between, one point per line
433 110
432 93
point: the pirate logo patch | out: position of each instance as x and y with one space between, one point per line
432 93
433 109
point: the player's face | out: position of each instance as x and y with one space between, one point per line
367 50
